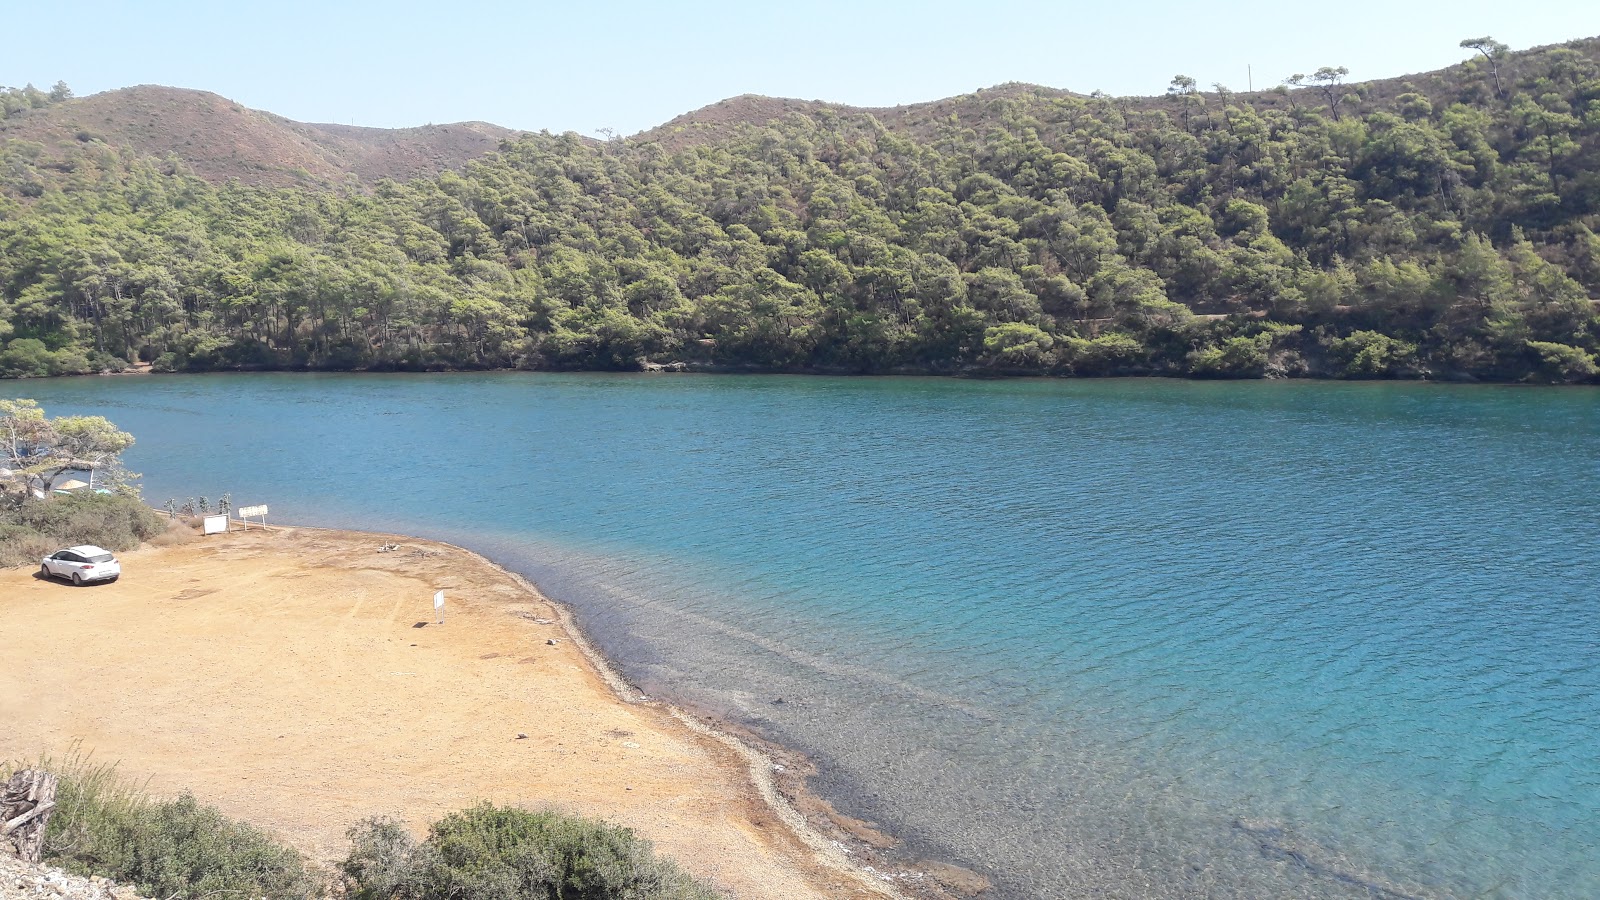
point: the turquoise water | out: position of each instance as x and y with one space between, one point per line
1092 638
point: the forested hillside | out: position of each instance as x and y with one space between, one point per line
1439 226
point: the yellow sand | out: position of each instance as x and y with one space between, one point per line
281 677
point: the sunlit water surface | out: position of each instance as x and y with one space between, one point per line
1090 638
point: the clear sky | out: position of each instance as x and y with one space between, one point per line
631 65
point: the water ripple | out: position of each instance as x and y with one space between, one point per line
1109 639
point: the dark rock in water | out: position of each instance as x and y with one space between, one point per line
1279 844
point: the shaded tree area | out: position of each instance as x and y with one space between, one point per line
1444 230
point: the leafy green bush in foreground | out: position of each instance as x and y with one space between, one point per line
104 825
502 853
179 848
112 521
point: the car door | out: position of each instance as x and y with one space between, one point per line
61 563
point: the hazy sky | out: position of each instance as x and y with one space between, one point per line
631 65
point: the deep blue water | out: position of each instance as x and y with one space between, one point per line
1131 638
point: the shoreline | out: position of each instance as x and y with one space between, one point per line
809 835
970 373
830 834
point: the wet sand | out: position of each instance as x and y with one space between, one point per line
297 679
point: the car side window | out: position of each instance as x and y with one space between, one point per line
68 557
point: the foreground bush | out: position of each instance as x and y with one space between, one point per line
37 527
104 825
502 853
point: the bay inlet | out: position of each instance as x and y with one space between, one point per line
1123 638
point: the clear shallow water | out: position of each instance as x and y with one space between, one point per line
1094 638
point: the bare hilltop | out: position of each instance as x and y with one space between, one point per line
221 140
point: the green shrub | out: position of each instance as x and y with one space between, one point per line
1369 354
22 546
27 358
112 521
1235 357
1561 363
31 358
105 825
503 853
1016 343
1104 355
179 848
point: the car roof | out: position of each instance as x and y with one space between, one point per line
87 550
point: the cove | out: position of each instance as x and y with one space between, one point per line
1122 638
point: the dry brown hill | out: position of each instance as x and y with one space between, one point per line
222 140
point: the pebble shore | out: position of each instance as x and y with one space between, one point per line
28 881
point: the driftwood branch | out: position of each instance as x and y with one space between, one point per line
27 817
26 802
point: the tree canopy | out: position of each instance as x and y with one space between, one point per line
1440 227
36 451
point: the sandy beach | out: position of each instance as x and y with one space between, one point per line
297 679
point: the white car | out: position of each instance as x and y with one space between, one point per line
82 564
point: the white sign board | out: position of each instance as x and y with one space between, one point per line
216 524
246 513
438 605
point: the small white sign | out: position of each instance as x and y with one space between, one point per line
246 512
216 524
438 605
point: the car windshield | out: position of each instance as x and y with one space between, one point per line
101 557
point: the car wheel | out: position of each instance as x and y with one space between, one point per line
77 579
44 571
